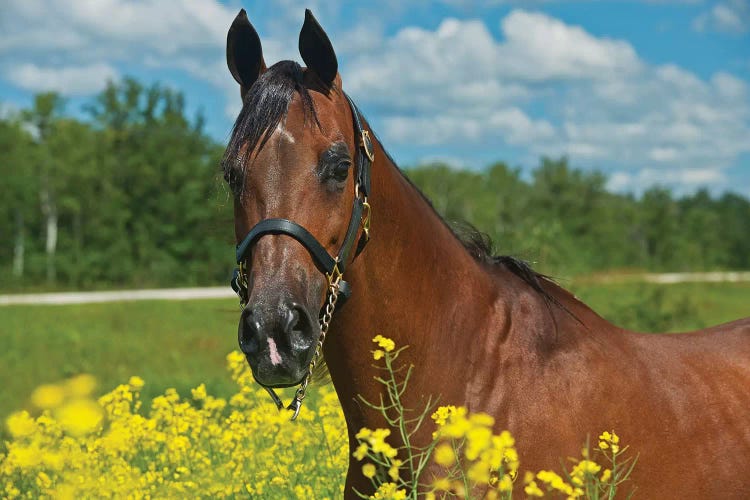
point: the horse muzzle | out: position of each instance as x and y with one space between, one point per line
278 342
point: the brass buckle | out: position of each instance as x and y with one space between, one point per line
243 274
334 277
366 218
367 145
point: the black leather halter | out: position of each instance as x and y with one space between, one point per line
332 267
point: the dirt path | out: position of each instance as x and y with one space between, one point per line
220 292
224 292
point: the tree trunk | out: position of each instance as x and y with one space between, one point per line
49 210
20 245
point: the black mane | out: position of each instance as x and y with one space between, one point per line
264 106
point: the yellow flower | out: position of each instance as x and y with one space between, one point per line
385 343
481 419
136 383
587 467
444 455
360 452
20 424
555 482
606 475
48 396
442 484
199 393
377 354
80 417
533 490
609 440
506 484
43 480
368 470
443 413
389 491
364 433
393 471
81 386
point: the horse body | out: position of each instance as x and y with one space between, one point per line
554 375
483 332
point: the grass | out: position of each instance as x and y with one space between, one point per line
181 344
169 344
666 308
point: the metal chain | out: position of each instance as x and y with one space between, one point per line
325 321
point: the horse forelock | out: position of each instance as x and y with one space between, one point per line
264 106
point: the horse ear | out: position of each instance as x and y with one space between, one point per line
316 49
244 52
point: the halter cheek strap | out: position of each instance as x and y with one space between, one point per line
332 267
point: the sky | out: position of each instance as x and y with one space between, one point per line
650 92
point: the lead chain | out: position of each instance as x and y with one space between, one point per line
325 321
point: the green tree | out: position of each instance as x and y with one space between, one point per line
17 190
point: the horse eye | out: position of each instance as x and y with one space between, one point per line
341 171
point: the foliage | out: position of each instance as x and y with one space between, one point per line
130 195
565 220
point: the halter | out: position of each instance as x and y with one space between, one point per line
332 267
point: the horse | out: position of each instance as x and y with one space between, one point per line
316 196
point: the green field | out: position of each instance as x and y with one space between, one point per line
181 344
169 344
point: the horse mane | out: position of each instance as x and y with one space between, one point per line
480 246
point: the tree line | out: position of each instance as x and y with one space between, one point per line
130 194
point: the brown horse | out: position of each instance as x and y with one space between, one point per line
485 332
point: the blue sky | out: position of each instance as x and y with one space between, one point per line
648 91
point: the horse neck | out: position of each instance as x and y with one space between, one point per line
414 283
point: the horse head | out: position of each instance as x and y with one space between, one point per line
298 166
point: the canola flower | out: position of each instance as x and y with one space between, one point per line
73 446
472 455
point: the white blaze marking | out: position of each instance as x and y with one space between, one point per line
285 133
275 357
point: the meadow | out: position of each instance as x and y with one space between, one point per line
183 344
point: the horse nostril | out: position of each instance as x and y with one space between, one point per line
247 334
291 321
296 320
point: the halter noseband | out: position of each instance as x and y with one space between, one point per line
332 267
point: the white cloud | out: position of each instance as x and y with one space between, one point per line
73 47
67 80
602 104
164 28
729 16
540 47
